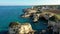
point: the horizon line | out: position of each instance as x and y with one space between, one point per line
29 5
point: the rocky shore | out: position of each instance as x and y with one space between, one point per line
37 13
46 12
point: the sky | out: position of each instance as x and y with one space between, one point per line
29 2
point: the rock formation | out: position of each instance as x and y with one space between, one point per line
18 28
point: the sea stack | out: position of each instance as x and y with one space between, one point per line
18 28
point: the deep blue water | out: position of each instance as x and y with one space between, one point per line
12 13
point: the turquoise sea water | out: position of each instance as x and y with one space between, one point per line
12 13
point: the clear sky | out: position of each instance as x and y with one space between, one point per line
29 2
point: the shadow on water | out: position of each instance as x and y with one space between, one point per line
3 32
41 24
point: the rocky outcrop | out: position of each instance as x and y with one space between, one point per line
14 28
28 12
26 28
37 15
18 28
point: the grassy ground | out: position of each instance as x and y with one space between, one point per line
56 14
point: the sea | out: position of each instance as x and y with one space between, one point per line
12 14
